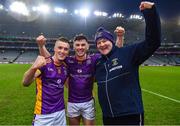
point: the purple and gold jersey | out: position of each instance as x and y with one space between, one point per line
81 77
50 88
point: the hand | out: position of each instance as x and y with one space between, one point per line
41 40
39 62
145 5
119 31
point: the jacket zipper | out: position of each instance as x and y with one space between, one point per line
107 91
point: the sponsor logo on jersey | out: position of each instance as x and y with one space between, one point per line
79 70
59 83
50 69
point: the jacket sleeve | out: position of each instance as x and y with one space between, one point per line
145 49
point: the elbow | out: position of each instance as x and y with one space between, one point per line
25 84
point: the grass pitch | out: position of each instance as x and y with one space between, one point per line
160 88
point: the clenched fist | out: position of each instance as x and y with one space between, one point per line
41 40
145 5
39 62
119 31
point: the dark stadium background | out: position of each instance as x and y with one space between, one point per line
18 50
18 32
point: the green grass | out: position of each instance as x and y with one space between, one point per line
164 81
17 102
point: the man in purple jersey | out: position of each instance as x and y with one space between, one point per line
81 78
50 75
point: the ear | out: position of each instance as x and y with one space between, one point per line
87 46
54 48
73 45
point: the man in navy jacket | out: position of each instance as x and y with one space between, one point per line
117 74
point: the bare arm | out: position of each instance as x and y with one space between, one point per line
41 41
28 77
31 73
119 36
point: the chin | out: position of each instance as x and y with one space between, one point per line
61 58
104 52
80 55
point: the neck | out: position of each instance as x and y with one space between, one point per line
56 61
81 58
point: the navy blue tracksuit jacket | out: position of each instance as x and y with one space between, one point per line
117 74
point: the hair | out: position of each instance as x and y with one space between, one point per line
80 37
63 39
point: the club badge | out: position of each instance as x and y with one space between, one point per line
115 62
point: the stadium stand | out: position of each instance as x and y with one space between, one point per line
17 37
25 50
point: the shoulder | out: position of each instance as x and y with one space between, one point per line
95 56
70 60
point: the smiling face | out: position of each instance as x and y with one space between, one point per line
80 47
104 46
61 50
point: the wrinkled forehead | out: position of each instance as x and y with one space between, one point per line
62 44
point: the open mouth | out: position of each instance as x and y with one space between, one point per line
61 55
104 48
80 52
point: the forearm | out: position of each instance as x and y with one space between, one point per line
43 51
28 77
152 40
153 28
120 41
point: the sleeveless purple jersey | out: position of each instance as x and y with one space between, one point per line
81 77
50 88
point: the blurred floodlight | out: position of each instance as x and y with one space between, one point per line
34 8
117 15
100 13
42 8
19 7
135 16
76 11
82 12
60 10
1 7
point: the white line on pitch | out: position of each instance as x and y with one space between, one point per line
161 95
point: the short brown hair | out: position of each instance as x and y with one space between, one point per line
80 37
63 39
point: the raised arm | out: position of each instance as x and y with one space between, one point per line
152 40
119 36
31 73
41 41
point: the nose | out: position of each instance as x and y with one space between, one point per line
101 43
81 46
62 50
